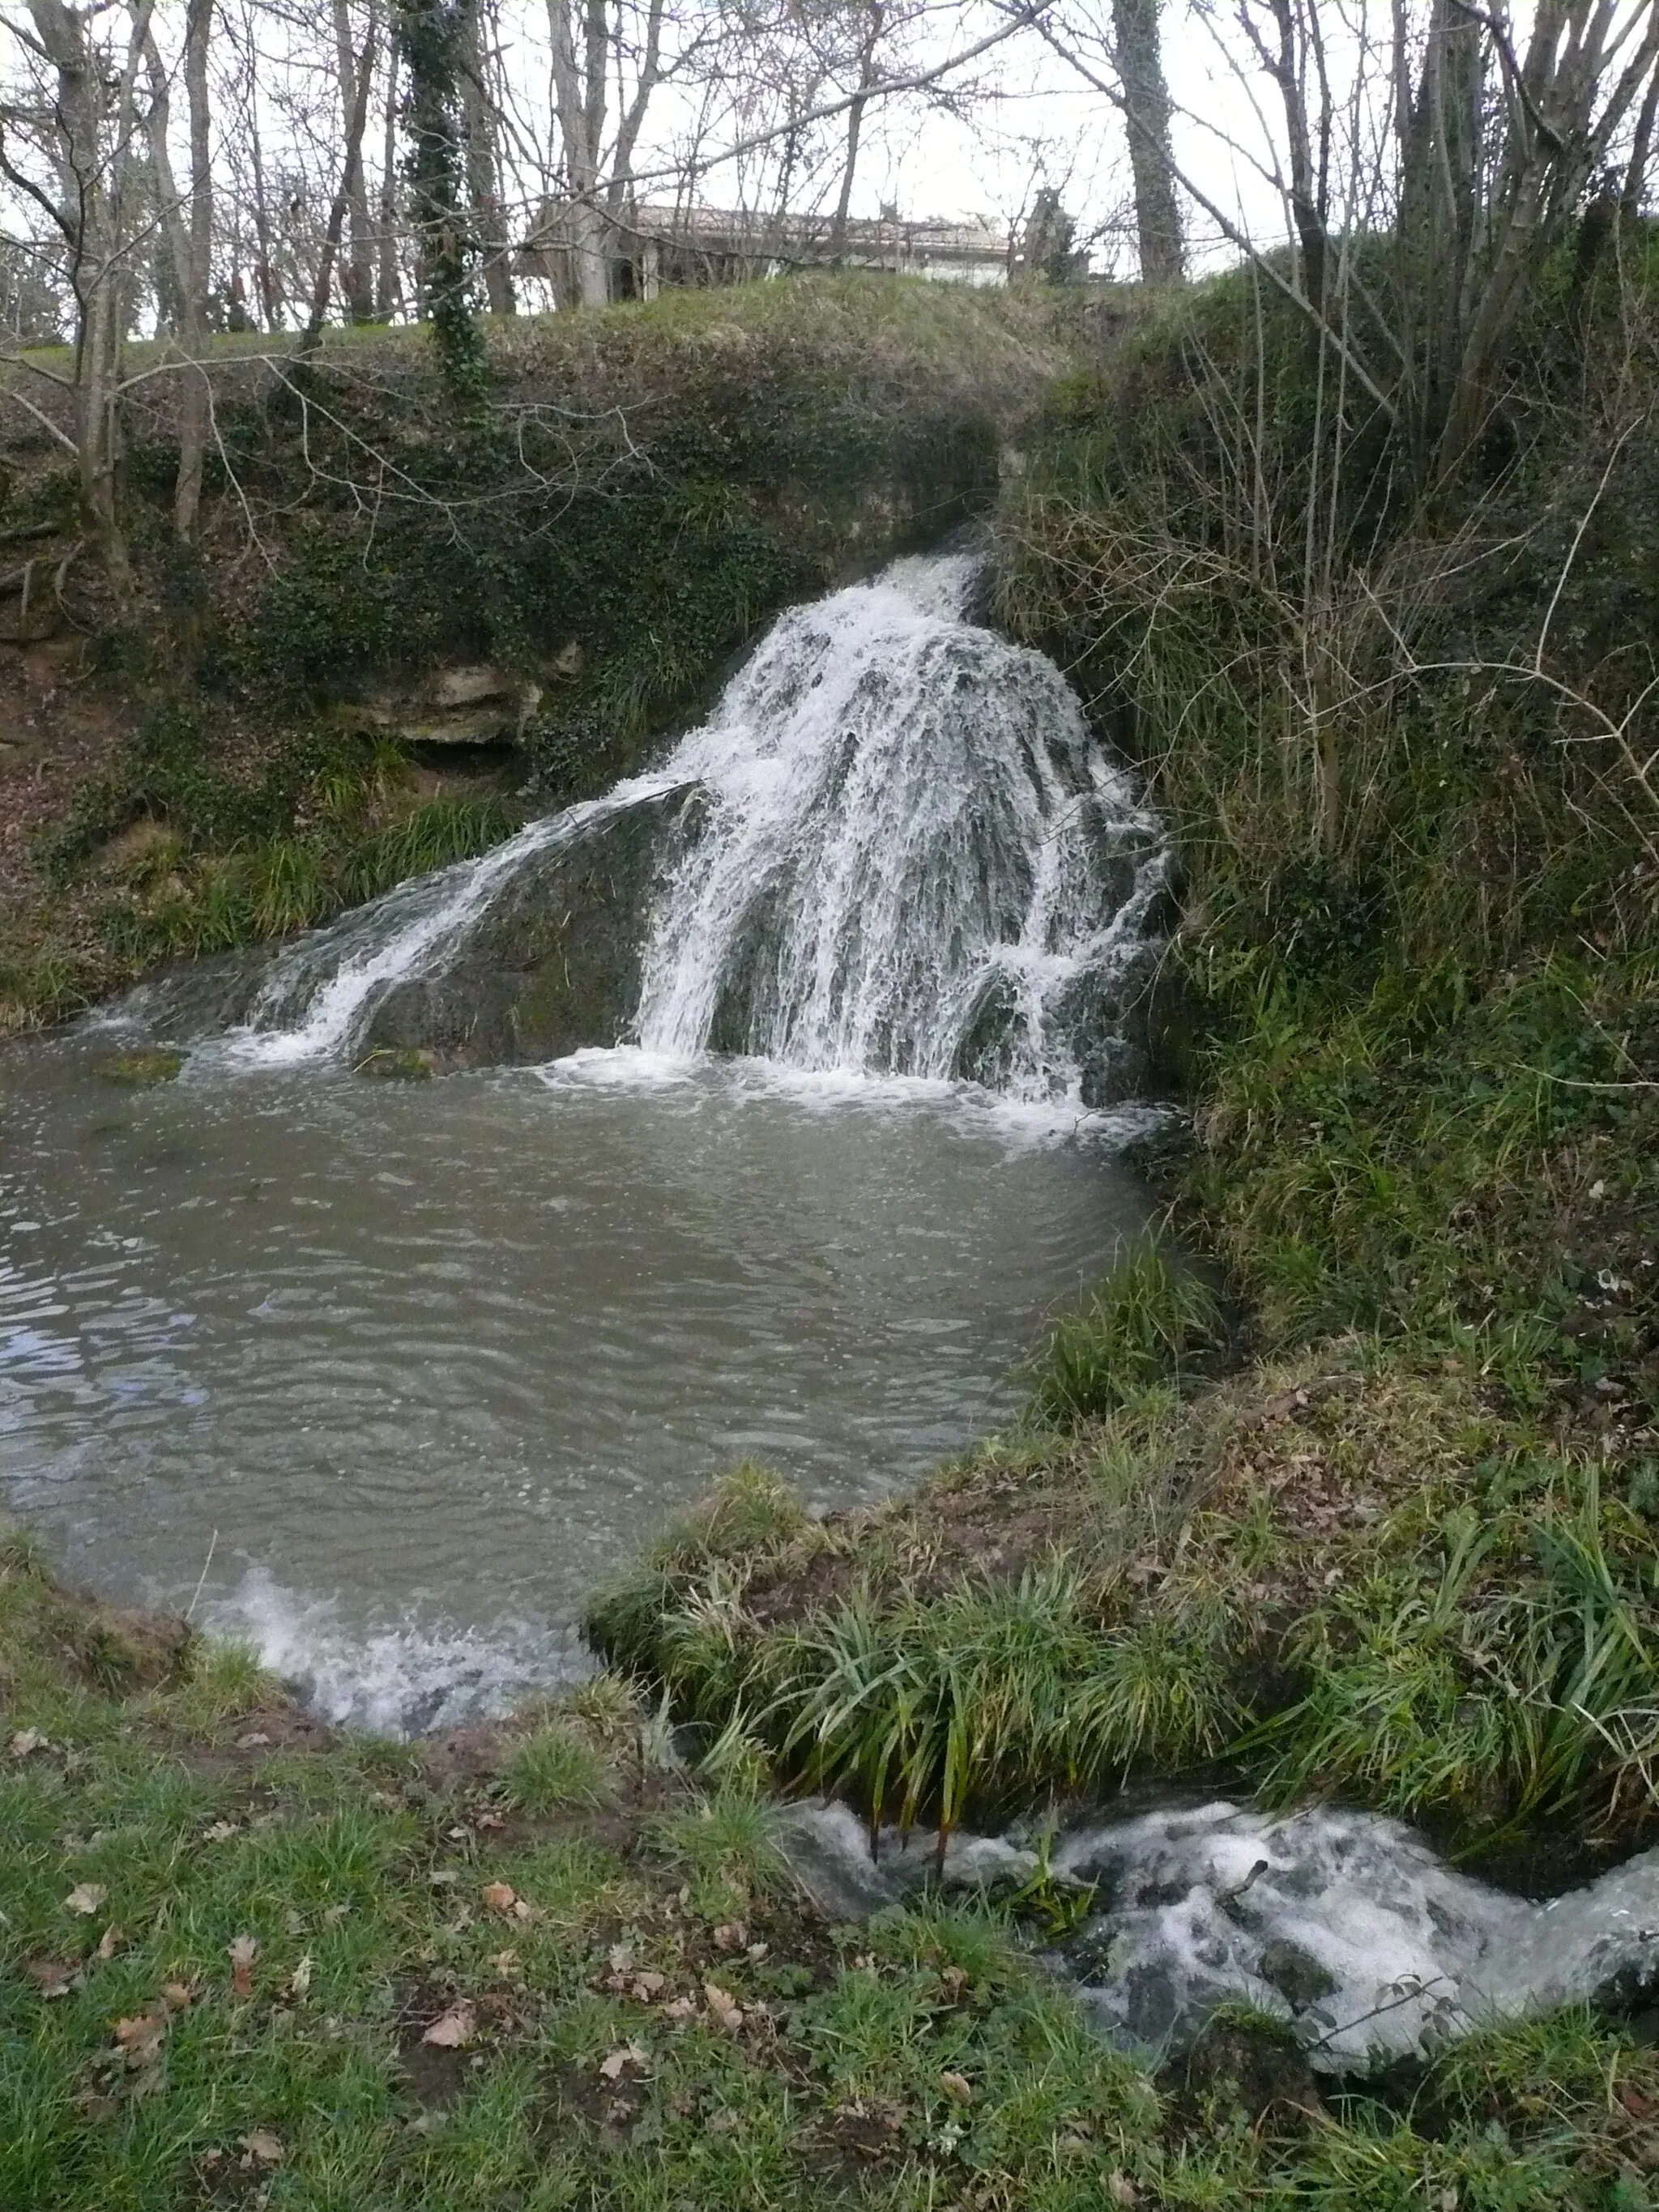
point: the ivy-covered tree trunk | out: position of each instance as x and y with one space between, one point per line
1146 108
432 41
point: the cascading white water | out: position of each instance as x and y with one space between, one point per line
910 833
910 859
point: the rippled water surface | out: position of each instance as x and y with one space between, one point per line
432 1359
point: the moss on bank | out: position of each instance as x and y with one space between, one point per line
244 1962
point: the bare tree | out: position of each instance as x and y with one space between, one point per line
356 264
187 222
613 35
870 32
480 111
94 123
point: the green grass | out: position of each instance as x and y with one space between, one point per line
553 1768
649 2015
1344 1575
1144 1325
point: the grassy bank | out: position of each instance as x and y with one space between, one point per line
225 755
246 1963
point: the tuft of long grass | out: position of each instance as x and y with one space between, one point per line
1145 1325
553 1770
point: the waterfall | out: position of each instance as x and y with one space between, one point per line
913 854
907 856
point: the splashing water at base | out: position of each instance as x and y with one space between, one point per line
913 854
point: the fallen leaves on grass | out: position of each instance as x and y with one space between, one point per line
453 2029
500 1896
26 1740
723 2006
299 1980
85 1897
53 1978
261 2148
112 1940
958 2086
140 2036
242 1952
615 2062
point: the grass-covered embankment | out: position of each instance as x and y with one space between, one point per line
217 759
1406 1554
243 1963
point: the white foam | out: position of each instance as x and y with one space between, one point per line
1345 1924
406 1679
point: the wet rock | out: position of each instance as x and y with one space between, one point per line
397 1064
1241 2066
551 961
143 1067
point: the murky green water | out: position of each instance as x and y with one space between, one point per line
408 1369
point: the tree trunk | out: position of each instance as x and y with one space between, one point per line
96 134
579 94
484 165
388 287
195 275
867 53
1630 198
357 269
1146 105
352 165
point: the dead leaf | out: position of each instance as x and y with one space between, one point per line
262 2145
85 1897
727 2012
299 1980
111 1942
507 1962
252 1740
453 2029
681 2008
647 1987
221 1831
627 2054
731 1937
500 1896
140 2036
953 1980
53 1978
621 1957
487 1820
178 1997
25 1740
1120 2188
242 1954
957 2085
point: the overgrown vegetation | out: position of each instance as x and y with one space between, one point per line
242 1962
